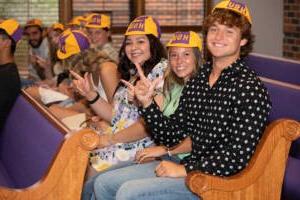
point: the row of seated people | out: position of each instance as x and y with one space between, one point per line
142 64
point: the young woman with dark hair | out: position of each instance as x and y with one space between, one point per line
126 134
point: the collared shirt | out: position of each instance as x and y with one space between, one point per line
225 121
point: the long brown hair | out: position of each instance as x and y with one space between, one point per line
171 78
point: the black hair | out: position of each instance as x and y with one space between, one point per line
157 52
5 35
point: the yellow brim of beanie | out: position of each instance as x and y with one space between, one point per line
194 41
149 26
235 7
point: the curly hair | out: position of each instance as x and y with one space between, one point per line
231 18
157 51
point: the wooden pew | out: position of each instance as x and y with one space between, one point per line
262 179
55 173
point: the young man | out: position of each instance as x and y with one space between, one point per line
10 34
224 110
39 56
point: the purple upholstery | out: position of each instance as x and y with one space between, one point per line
28 143
5 179
286 104
275 68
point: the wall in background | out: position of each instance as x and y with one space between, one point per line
291 41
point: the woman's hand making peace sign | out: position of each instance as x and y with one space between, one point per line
84 85
144 89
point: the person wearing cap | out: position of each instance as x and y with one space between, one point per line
126 134
39 55
70 45
10 34
223 109
102 57
53 33
77 23
98 29
185 59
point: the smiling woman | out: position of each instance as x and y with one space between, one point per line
127 133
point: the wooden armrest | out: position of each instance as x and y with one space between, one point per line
64 178
262 178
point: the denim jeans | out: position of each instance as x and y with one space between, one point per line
88 187
138 182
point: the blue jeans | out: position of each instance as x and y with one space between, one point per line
138 182
88 188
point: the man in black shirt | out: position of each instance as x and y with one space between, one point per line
10 34
223 109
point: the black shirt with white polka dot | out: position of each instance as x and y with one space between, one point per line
225 121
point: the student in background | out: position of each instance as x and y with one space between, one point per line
38 51
54 32
223 109
10 34
98 29
101 58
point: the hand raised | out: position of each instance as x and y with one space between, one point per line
84 85
130 91
144 89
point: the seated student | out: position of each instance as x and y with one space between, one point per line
98 29
10 34
185 60
126 134
71 44
53 35
38 51
223 109
101 58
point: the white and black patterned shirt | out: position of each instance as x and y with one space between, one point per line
225 122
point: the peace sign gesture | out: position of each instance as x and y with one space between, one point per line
144 89
84 85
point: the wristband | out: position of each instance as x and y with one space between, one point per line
95 99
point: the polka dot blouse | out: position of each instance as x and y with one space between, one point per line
225 121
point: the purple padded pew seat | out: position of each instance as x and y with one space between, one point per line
28 143
286 104
285 101
275 68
